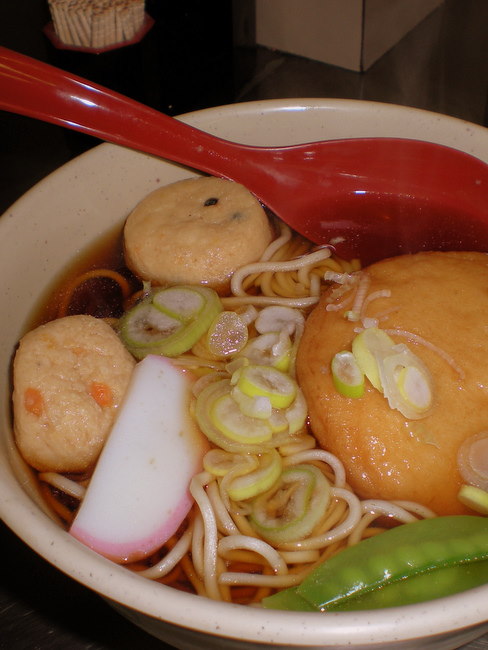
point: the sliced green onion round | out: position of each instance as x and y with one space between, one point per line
278 421
475 498
219 462
145 330
268 382
220 419
414 387
203 405
347 376
281 438
169 321
472 460
365 347
228 418
257 481
257 406
270 349
182 303
296 413
292 508
277 318
406 381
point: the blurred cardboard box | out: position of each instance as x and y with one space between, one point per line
352 34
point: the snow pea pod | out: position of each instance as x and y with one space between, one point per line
410 563
421 587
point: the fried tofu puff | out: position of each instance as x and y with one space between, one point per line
70 376
443 298
195 231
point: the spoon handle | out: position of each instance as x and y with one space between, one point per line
35 89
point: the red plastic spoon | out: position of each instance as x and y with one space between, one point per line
382 195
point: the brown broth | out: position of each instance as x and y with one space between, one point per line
100 297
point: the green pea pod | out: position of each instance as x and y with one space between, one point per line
421 587
288 599
411 563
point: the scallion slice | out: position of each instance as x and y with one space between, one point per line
258 480
293 507
169 321
268 382
228 418
347 376
365 347
475 498
406 381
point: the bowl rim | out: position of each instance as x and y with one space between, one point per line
223 619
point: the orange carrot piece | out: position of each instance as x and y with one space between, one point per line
102 394
33 401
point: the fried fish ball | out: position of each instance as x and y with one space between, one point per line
442 298
195 231
70 375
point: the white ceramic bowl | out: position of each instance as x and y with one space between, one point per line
69 210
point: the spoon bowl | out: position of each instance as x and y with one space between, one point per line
337 190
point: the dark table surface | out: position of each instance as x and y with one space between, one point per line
442 65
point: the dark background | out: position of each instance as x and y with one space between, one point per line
199 54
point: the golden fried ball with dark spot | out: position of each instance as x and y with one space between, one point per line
195 231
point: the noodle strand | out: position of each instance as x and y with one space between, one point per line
171 559
210 537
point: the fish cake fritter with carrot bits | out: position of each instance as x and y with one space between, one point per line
70 375
195 231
